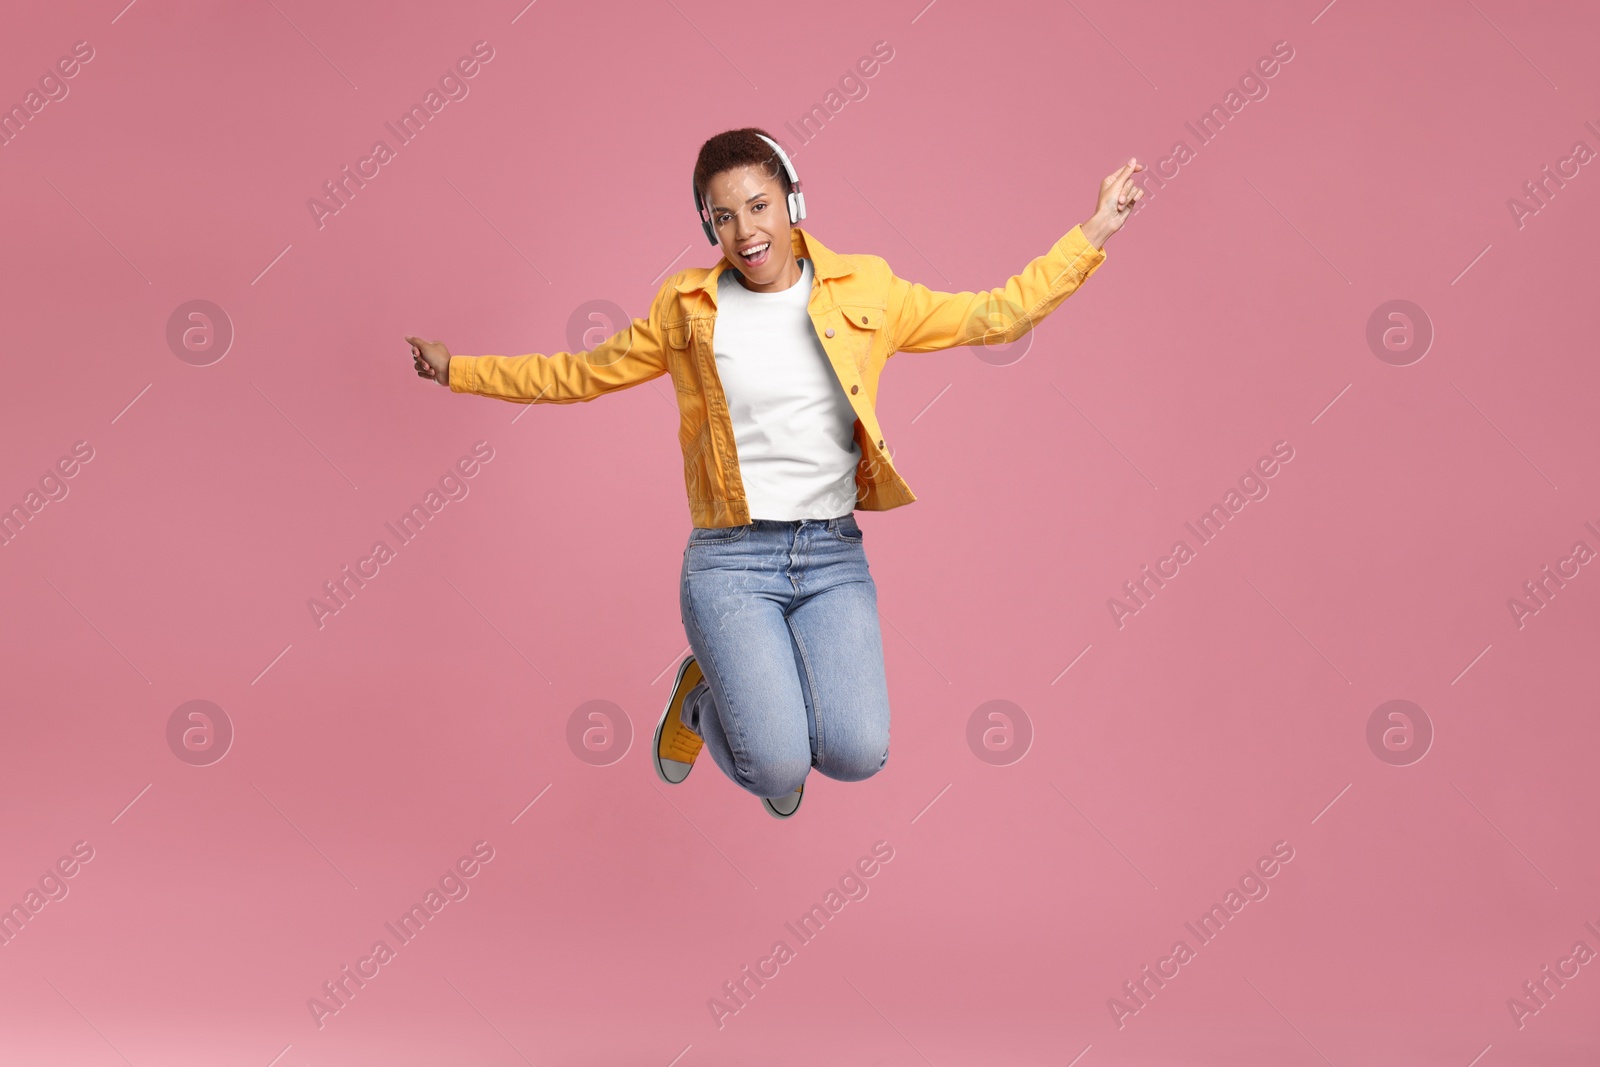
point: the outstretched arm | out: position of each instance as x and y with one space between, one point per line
628 357
926 320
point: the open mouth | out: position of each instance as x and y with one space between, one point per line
757 254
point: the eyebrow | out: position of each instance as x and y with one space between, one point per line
718 207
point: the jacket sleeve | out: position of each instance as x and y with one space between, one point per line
628 357
925 320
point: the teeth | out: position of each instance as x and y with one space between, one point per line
747 253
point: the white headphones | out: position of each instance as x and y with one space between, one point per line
797 199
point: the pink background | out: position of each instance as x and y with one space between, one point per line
1229 714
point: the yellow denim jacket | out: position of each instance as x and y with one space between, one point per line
863 314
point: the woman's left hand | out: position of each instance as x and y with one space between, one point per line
1118 194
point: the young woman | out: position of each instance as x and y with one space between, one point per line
775 353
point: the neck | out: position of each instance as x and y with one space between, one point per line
787 277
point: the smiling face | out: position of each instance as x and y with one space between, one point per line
748 209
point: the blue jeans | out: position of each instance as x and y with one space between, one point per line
782 617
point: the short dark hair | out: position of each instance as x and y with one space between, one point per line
737 148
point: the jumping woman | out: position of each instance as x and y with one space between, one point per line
775 354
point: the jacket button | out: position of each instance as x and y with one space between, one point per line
830 331
855 388
863 320
880 444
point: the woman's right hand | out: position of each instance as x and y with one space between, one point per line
1118 195
431 360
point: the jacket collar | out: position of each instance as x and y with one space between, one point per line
825 263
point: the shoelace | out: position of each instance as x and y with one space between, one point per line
680 742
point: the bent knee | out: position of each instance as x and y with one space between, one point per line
775 778
854 763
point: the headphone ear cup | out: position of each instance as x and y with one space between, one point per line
700 213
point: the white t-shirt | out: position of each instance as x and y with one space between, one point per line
793 426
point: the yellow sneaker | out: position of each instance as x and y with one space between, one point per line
676 745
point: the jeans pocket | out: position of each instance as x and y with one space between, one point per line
720 535
846 529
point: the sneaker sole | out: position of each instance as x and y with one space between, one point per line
770 805
662 765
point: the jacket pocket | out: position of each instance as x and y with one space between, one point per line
680 356
862 331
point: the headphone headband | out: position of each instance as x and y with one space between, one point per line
796 199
